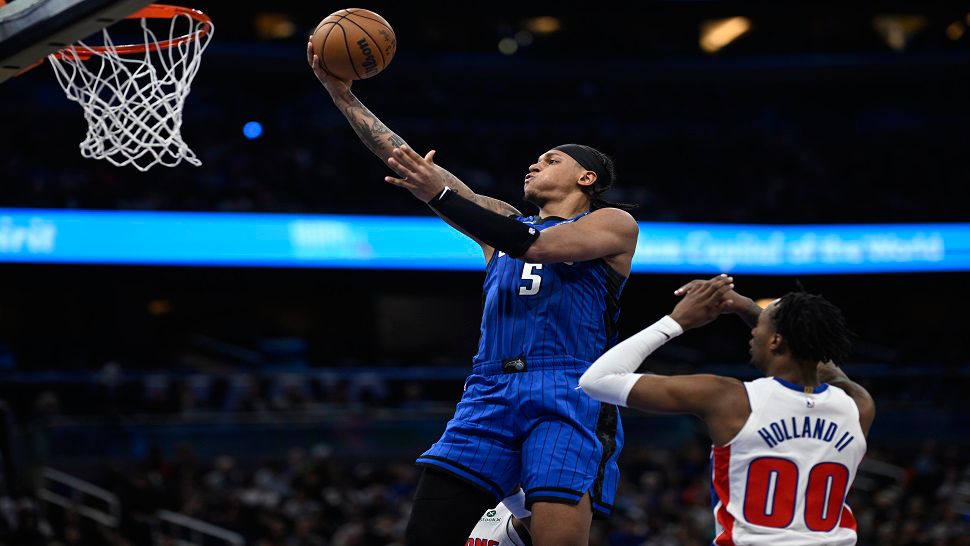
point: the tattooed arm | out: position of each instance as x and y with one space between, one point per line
380 140
372 132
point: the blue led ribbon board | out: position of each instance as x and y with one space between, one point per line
385 242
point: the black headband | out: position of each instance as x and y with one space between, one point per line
588 160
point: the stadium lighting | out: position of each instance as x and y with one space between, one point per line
543 25
508 46
253 130
896 30
159 307
764 302
274 26
955 30
718 33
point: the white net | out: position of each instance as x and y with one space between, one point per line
133 102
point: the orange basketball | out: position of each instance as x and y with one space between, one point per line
354 44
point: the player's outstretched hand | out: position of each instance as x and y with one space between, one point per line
419 175
738 303
704 302
331 83
828 372
742 306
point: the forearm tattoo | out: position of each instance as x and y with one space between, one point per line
372 132
380 140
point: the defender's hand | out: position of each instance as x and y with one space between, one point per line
704 302
330 82
420 175
738 303
828 372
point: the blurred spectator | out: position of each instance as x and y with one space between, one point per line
664 500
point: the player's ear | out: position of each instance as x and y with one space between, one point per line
588 178
777 343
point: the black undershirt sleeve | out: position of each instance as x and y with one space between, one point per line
497 231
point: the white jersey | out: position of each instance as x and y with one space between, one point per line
782 481
495 529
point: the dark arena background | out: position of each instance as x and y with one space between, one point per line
155 390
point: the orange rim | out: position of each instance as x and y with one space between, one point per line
154 11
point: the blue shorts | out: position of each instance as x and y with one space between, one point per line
534 429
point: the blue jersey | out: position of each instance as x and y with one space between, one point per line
548 310
521 421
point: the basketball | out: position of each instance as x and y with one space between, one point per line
354 44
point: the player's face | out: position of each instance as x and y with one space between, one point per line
761 338
552 177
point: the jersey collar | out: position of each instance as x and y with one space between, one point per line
801 388
542 220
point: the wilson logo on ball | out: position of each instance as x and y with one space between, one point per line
369 64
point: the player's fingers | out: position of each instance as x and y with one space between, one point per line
411 154
720 294
429 157
399 168
312 59
695 284
707 292
400 154
397 182
701 290
720 287
723 290
686 288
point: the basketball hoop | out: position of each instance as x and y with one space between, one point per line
133 95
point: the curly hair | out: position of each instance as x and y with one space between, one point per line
813 328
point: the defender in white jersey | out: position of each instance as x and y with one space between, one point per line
785 447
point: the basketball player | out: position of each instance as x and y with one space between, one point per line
786 446
505 525
552 289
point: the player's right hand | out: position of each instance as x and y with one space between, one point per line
330 82
704 302
829 372
738 303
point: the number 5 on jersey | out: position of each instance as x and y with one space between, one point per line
530 276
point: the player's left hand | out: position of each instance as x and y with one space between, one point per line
828 372
738 303
421 176
704 302
331 83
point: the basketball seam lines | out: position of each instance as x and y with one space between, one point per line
323 47
350 55
382 23
376 46
321 24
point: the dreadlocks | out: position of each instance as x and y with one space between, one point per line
813 328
